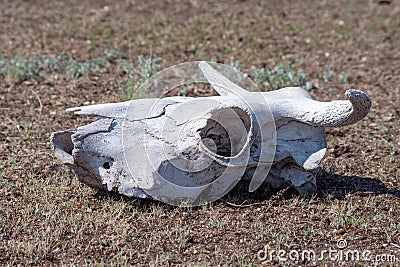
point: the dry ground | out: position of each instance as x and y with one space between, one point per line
48 218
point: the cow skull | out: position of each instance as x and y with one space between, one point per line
194 150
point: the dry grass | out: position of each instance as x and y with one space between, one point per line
48 218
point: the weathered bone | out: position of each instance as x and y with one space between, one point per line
177 146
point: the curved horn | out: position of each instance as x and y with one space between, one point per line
361 104
326 114
294 102
219 82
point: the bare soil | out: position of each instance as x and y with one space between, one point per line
49 218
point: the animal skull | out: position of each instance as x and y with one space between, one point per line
179 149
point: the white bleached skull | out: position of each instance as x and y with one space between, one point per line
197 149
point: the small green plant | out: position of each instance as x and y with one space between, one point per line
99 64
134 78
126 89
147 67
2 66
283 75
128 68
397 227
349 220
343 77
112 54
234 76
327 75
57 63
19 69
76 69
248 262
235 64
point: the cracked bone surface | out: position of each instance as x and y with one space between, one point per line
178 149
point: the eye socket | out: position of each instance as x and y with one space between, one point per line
107 165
